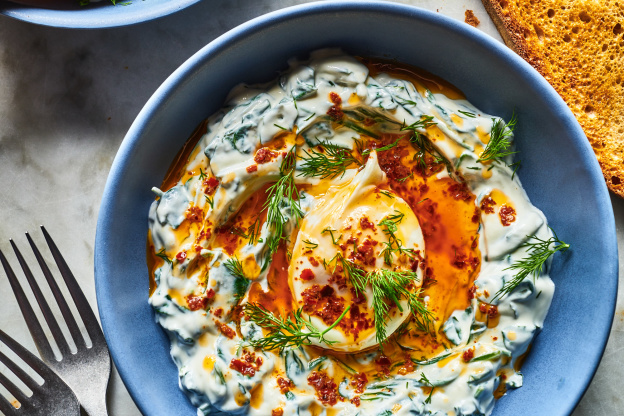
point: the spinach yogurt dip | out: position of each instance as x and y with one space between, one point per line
350 239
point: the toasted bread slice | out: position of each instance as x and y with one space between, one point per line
578 46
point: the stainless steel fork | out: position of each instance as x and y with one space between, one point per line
88 370
52 398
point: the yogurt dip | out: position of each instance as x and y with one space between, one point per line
350 239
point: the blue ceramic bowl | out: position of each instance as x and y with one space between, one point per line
97 15
559 172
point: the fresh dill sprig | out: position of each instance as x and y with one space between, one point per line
500 140
309 244
235 267
357 277
282 192
421 143
241 283
387 193
202 175
331 233
393 245
293 331
432 360
391 285
253 232
424 380
405 178
332 163
383 148
516 166
210 201
163 256
239 232
467 113
424 123
386 285
539 251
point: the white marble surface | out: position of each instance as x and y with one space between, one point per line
67 98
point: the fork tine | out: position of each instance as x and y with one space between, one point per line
36 331
43 305
26 356
52 398
21 374
8 384
83 307
60 299
6 407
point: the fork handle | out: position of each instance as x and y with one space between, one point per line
95 408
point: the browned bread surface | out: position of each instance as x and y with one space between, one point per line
578 46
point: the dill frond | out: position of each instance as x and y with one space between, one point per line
333 162
292 331
538 253
500 140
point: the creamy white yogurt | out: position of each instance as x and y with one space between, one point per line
298 101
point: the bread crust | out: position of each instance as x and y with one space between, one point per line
578 47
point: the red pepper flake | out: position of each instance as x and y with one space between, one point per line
196 303
358 297
366 224
507 215
335 110
335 98
460 191
487 205
264 155
210 294
181 256
226 330
313 261
218 313
210 184
359 382
383 363
468 355
332 309
247 365
194 214
471 292
307 274
476 216
252 168
390 162
490 310
311 297
475 242
326 389
355 401
459 261
365 253
285 384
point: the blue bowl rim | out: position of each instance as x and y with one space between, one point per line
92 17
195 62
